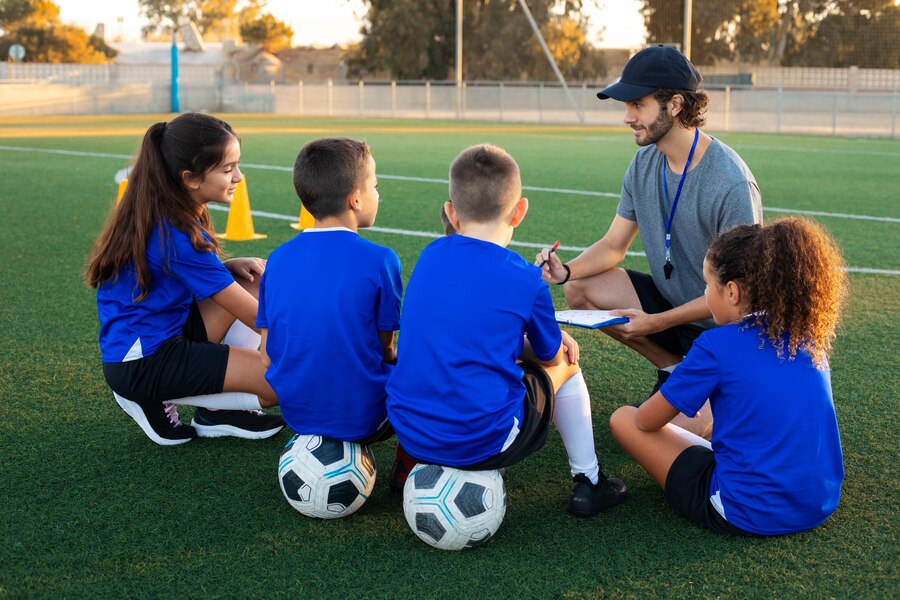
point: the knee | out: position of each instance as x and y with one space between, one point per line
267 402
621 420
575 293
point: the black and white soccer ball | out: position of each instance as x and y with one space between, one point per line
326 478
452 509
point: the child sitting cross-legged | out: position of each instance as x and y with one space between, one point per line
483 368
775 463
329 302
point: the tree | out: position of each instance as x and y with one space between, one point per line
829 33
35 25
416 39
267 31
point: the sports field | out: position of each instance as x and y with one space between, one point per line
89 507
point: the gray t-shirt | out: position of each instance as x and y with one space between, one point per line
718 194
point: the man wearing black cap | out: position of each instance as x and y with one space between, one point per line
681 190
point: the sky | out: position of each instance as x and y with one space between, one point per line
326 22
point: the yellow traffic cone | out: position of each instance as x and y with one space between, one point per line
239 227
122 185
306 220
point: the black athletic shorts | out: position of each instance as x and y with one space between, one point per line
185 365
687 490
677 340
384 432
536 420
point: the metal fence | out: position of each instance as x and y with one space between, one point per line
761 108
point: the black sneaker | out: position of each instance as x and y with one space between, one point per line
247 424
159 420
588 499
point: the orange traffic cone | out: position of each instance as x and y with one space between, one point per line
122 185
306 220
239 227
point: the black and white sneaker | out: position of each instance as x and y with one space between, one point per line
247 424
159 420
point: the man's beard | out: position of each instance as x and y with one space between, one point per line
658 129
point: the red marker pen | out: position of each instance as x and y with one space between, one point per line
552 250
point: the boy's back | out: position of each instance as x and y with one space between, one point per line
457 391
324 297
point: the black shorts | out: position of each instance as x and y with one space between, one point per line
536 420
185 365
677 340
687 490
384 432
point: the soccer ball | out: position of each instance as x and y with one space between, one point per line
452 509
326 478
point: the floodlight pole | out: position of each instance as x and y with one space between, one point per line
549 55
459 56
686 34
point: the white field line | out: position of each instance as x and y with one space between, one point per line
566 191
427 234
433 235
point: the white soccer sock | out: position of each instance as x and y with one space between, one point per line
572 416
670 368
241 336
222 401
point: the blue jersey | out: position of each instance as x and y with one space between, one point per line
457 391
779 466
178 274
324 297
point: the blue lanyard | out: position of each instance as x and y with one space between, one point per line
667 268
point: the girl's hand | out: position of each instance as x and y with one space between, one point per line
250 269
570 346
552 270
639 323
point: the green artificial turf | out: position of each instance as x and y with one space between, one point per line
89 507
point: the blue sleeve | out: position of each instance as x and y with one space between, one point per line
695 379
389 294
201 272
262 321
542 329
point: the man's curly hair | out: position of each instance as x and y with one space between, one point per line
791 272
693 111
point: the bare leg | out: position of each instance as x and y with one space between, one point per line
655 451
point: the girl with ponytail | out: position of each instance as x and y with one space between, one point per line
177 324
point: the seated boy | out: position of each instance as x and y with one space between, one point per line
329 302
459 395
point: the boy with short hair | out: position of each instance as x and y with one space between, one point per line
473 309
329 301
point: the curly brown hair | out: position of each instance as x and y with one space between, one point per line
791 272
693 111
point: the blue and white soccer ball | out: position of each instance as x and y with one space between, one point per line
326 478
452 509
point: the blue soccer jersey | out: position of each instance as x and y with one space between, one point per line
457 391
779 466
178 274
324 297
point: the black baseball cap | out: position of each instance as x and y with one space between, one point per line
651 69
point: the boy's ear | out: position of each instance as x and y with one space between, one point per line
451 214
189 181
353 200
519 212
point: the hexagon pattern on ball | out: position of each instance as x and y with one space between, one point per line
326 478
453 509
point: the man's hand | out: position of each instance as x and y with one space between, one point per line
552 270
639 323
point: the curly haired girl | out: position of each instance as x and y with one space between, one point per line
166 300
775 464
